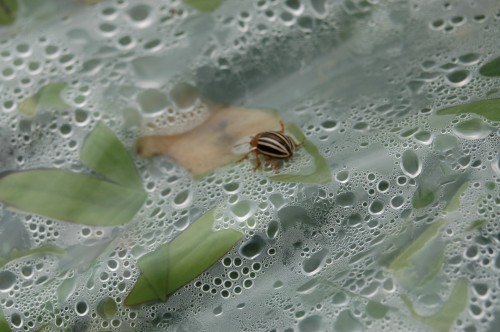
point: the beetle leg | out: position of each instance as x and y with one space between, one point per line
258 164
282 125
244 157
301 143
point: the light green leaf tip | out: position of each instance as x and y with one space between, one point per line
103 152
476 224
422 197
72 197
491 68
489 108
454 202
43 250
404 259
48 96
204 5
4 326
178 262
443 320
8 12
322 172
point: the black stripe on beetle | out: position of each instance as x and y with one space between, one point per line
272 144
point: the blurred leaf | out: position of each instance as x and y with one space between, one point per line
321 174
47 96
8 11
476 224
106 155
72 197
454 202
65 289
204 5
442 321
422 260
376 310
489 108
178 262
4 326
17 254
491 68
422 197
404 259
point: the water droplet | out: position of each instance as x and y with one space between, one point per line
253 247
140 14
346 199
315 263
152 101
81 308
458 78
342 176
218 310
16 319
472 129
7 280
376 207
183 199
410 164
311 324
397 202
243 210
329 125
272 229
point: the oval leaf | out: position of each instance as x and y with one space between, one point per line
204 5
177 263
489 108
72 197
106 155
443 320
8 11
491 68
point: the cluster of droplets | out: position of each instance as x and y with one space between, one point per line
310 255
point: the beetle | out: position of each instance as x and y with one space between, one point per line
272 144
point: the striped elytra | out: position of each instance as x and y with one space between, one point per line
275 144
271 144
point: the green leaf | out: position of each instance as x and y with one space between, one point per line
476 224
106 155
4 326
376 310
204 5
442 321
422 260
178 262
491 68
47 96
322 173
422 197
403 260
454 202
43 250
8 11
72 197
489 108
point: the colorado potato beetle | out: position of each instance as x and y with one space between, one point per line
271 144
